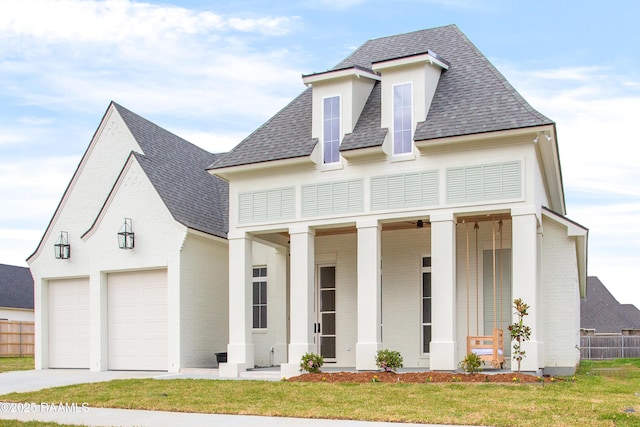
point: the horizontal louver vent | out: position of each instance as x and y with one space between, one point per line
333 198
484 182
268 205
404 190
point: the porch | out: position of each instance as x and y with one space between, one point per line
416 285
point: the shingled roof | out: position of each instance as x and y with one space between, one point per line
16 287
601 312
177 170
472 97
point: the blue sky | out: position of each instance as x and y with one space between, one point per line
192 66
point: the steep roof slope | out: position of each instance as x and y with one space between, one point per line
16 287
471 97
602 312
176 168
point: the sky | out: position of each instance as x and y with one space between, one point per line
191 66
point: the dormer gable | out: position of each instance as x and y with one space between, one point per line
338 98
409 83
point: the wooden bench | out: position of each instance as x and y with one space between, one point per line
490 348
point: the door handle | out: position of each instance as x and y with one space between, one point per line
318 327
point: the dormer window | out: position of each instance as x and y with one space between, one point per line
331 129
402 119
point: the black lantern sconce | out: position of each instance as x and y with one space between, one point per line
62 248
125 235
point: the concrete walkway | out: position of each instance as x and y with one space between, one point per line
79 414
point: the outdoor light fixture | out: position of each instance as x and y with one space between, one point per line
62 249
419 224
125 235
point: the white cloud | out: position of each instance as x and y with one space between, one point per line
118 21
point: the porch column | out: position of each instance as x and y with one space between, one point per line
240 348
369 295
301 318
527 286
443 348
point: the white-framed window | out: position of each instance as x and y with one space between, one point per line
331 129
259 297
426 305
402 119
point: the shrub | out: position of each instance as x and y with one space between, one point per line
388 360
471 364
311 363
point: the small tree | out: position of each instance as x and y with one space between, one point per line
519 332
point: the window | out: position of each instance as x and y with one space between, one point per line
331 130
402 123
426 304
259 297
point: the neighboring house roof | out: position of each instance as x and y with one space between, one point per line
177 170
471 97
603 313
16 287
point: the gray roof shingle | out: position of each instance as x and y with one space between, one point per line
16 287
471 97
177 170
368 132
603 313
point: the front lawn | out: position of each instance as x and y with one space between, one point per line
16 364
601 395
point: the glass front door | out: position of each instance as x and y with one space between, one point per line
325 326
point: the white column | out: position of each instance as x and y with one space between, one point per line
302 288
369 297
278 283
240 348
527 286
99 356
443 349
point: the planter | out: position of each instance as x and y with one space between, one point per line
221 358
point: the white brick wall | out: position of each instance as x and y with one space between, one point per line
204 304
560 296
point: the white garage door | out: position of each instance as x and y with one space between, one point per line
69 323
137 311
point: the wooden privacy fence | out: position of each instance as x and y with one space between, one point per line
598 347
16 338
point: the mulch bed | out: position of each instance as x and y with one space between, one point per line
418 377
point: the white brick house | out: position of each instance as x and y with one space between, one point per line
375 179
379 209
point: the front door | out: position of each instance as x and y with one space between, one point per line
325 327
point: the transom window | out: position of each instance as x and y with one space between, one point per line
426 304
259 297
402 122
331 130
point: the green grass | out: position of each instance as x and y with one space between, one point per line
599 396
16 364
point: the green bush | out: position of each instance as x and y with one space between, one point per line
311 363
472 363
389 360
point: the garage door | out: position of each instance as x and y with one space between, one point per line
69 323
137 311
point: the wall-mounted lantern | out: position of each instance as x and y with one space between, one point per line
62 249
125 235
